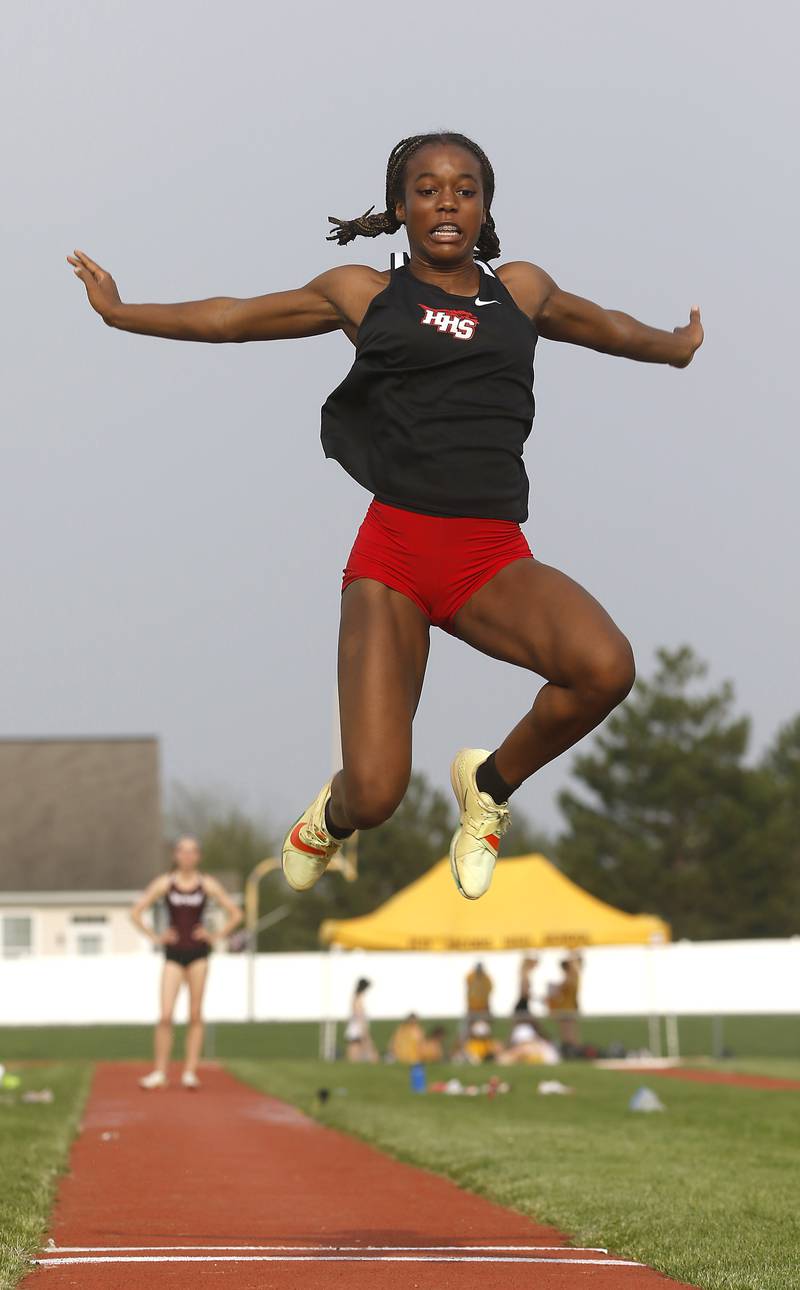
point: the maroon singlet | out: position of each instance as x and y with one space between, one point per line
186 913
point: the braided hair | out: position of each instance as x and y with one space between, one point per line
369 225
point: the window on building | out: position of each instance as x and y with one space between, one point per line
89 943
16 935
89 933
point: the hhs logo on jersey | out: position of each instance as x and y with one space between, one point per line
452 322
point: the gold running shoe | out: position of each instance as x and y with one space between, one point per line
309 848
476 841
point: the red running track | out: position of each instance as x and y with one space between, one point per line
697 1075
226 1187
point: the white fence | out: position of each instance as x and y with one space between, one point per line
715 977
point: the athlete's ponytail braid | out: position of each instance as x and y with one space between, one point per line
369 225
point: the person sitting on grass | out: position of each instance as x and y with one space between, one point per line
480 1044
406 1043
432 1046
528 1046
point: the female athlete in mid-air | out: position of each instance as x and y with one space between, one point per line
187 944
432 419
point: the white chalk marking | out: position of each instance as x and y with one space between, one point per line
327 1258
340 1249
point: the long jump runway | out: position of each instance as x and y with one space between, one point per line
173 1189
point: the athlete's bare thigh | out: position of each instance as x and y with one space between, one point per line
172 978
196 976
383 651
534 616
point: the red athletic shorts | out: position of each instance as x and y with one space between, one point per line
437 561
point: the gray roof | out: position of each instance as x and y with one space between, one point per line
79 814
60 899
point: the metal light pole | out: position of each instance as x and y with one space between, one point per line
251 924
344 862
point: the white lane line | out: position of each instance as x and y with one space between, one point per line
309 1249
328 1258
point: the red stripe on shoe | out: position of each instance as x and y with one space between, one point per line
296 841
493 840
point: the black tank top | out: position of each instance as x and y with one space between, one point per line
434 413
185 912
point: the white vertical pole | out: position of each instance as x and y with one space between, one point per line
654 1018
673 1044
251 976
326 1006
330 1025
330 1040
654 1031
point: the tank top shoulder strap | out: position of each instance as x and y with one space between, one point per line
498 289
491 286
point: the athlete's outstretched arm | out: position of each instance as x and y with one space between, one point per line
558 315
318 307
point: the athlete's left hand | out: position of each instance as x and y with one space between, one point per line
101 288
202 934
692 335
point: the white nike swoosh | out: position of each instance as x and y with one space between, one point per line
486 302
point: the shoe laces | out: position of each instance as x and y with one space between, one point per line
488 819
318 837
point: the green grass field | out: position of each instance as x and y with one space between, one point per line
707 1191
34 1142
745 1038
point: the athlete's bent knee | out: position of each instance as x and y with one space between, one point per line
371 802
611 672
369 813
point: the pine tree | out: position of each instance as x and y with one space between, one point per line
773 904
670 823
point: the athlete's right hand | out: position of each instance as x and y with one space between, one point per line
100 286
169 937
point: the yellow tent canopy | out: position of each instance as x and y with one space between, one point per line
530 904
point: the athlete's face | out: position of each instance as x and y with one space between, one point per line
443 208
187 854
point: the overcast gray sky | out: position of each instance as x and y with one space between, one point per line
172 537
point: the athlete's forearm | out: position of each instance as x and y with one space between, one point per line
628 338
324 304
140 924
560 315
232 923
199 320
